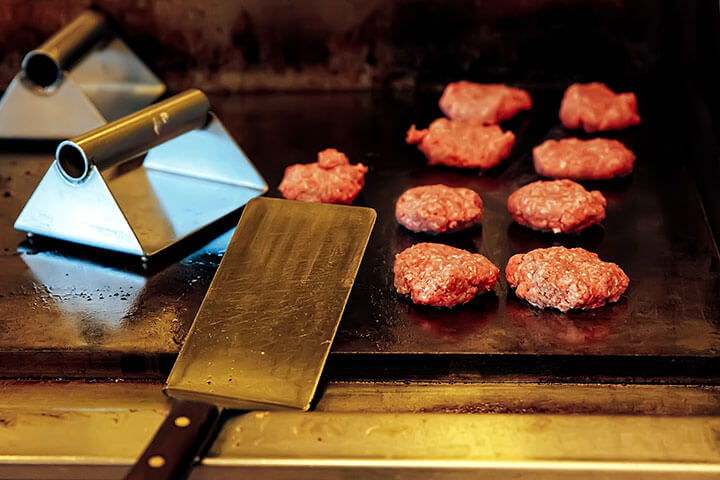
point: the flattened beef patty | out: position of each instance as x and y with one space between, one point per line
596 159
442 276
565 279
329 180
462 144
594 107
560 206
438 209
484 103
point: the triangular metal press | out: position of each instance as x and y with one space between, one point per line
85 213
183 185
30 112
108 83
224 160
116 80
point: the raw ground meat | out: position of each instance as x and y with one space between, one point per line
330 180
594 107
565 279
596 159
442 276
438 209
462 144
561 206
485 103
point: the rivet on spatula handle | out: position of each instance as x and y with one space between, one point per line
176 443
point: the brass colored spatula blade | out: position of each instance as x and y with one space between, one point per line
266 325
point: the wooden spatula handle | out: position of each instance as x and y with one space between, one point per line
177 442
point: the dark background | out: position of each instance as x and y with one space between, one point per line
668 51
226 45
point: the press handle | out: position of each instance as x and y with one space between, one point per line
177 442
133 135
44 65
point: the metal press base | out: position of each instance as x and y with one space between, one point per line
100 191
82 77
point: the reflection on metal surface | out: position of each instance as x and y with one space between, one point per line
361 425
288 437
119 290
192 179
519 398
450 325
123 336
570 328
266 325
320 445
79 79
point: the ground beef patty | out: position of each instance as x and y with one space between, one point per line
442 276
565 279
438 209
485 103
561 206
595 107
596 159
330 180
462 144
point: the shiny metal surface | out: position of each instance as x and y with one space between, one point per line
374 430
395 397
267 323
116 81
44 65
125 329
190 181
79 79
427 439
26 113
131 136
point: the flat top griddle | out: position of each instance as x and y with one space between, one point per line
76 312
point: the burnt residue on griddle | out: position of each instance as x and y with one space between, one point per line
8 419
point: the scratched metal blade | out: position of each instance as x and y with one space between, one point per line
266 325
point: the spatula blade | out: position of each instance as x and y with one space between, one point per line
266 325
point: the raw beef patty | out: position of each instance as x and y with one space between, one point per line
565 279
596 159
442 276
595 107
484 103
462 144
438 209
329 180
561 206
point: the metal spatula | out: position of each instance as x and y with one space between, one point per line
266 325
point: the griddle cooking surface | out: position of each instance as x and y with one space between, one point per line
100 316
655 230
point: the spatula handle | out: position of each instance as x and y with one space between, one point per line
177 442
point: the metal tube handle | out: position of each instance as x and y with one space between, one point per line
44 65
133 135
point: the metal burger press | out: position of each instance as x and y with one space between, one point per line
100 190
84 75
